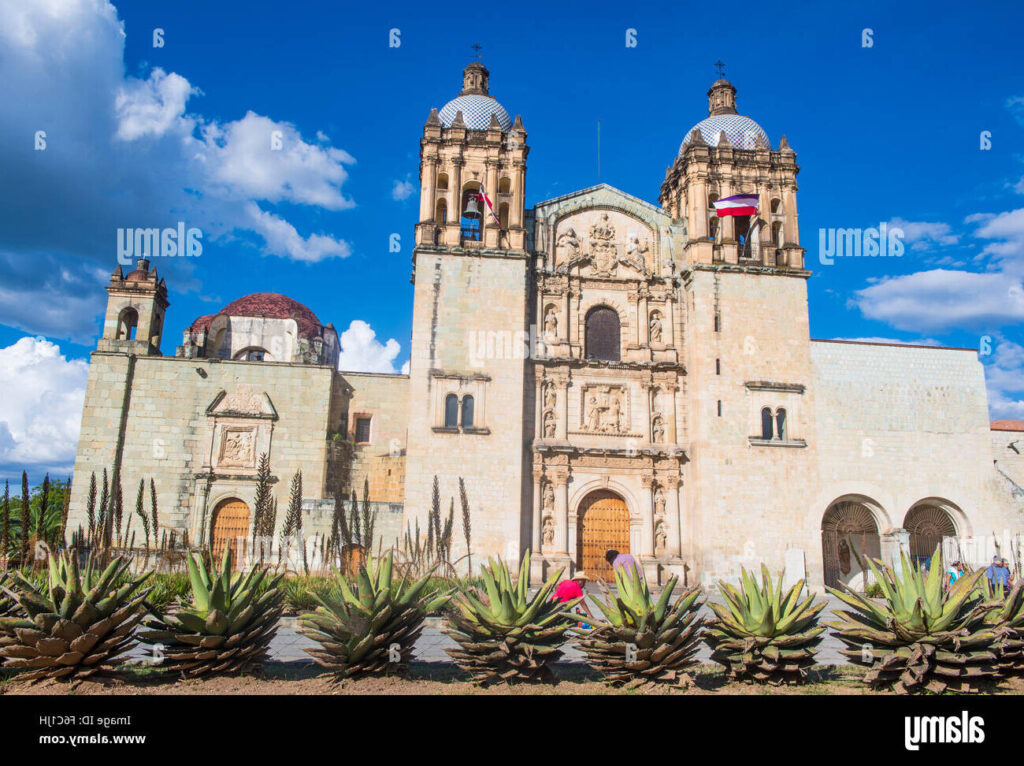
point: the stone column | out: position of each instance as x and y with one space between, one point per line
647 516
698 198
538 476
668 322
561 483
563 331
493 230
452 230
673 518
672 437
563 422
539 410
789 215
427 187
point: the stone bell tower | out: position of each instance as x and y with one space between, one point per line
470 337
471 146
136 304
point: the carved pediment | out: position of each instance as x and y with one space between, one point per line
242 402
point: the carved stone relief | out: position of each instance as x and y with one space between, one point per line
605 409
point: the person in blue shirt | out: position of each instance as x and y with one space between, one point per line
998 573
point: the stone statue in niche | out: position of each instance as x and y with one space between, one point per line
604 410
549 425
655 327
567 246
659 502
550 397
548 497
551 324
657 430
660 538
548 531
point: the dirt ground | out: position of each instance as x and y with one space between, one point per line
437 679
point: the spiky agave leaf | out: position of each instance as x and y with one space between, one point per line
228 625
77 624
1006 619
372 624
921 637
762 635
643 640
506 635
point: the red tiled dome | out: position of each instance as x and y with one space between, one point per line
270 306
1007 425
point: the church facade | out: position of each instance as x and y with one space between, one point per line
600 371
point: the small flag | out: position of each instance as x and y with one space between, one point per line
483 198
740 204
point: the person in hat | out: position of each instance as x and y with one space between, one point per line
572 589
998 573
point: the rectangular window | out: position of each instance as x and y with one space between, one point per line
718 367
718 322
719 408
362 430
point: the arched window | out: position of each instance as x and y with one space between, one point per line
252 354
712 216
766 423
503 215
441 212
602 334
442 182
470 213
127 322
777 233
467 412
780 423
776 205
504 185
451 411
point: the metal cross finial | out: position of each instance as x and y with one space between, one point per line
477 47
720 67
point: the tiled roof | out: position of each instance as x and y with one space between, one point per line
741 131
271 306
476 112
1008 425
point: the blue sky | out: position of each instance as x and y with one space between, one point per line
140 136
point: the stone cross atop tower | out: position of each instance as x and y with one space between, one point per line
721 98
475 79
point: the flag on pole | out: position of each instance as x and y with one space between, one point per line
483 198
740 204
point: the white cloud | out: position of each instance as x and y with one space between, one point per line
923 235
124 151
1004 376
402 190
41 406
362 352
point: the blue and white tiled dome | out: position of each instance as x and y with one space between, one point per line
476 112
741 131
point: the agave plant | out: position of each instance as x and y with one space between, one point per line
510 636
8 606
1006 619
225 628
79 623
643 640
761 635
921 637
370 627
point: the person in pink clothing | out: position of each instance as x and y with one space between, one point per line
622 561
571 589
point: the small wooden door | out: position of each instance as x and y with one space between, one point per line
230 522
603 525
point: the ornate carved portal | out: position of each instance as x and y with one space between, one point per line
603 524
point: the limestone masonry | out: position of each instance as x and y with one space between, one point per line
601 372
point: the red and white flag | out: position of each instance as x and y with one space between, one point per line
740 204
483 198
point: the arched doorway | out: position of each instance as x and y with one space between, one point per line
603 523
848 532
927 524
230 522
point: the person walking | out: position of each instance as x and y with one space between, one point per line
622 561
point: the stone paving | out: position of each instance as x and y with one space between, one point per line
289 645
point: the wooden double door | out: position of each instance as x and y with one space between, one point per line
230 522
603 525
